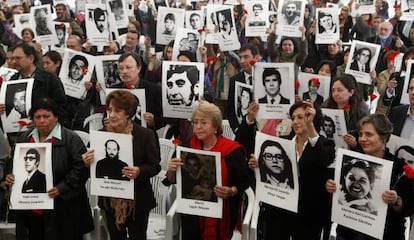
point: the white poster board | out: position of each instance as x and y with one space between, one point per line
44 28
327 28
366 6
402 149
290 16
257 21
169 20
228 39
407 80
334 126
313 86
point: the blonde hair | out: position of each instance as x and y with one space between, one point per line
213 112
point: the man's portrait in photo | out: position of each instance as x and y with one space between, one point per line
275 165
111 166
326 23
36 180
406 153
357 182
272 82
258 18
78 65
291 13
189 43
328 127
312 92
196 21
117 9
99 19
198 177
225 22
244 98
361 60
61 34
40 16
111 73
16 102
169 24
182 82
410 6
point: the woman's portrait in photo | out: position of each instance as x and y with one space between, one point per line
326 23
244 98
78 65
198 177
275 165
357 182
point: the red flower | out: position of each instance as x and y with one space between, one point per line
409 172
386 49
61 25
347 106
177 142
392 55
200 30
369 23
372 96
211 60
244 11
84 70
22 123
102 109
315 82
297 84
1 79
129 86
252 62
396 6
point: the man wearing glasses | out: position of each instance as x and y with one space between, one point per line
36 180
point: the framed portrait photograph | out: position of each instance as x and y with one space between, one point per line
17 96
366 6
334 126
290 16
228 39
182 88
360 181
277 171
402 148
257 21
314 87
44 28
107 70
407 7
187 41
194 19
141 107
243 96
273 89
117 10
195 183
77 68
327 28
6 73
362 60
62 34
112 154
32 169
169 21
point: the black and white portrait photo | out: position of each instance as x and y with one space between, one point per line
357 202
273 89
196 179
242 97
107 70
366 7
112 152
228 37
97 26
187 41
194 19
22 21
111 166
117 9
277 172
328 25
328 127
362 59
408 79
41 16
17 96
169 21
314 87
407 7
183 84
334 127
290 17
402 148
211 23
61 29
32 168
43 27
257 21
77 68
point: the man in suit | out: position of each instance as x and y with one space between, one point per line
362 58
36 180
111 167
272 80
312 94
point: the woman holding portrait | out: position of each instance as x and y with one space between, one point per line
71 216
207 127
374 132
123 215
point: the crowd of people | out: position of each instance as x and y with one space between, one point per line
54 116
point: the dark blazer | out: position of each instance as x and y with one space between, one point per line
36 184
354 66
283 100
390 44
318 101
397 116
110 168
395 100
230 109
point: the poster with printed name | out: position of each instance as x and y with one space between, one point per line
334 126
6 73
77 68
169 20
17 96
112 154
407 7
327 31
362 60
407 82
62 33
257 21
357 203
33 176
182 88
97 24
277 171
188 41
402 148
22 21
228 38
314 87
290 16
243 96
273 89
107 70
366 6
196 180
211 23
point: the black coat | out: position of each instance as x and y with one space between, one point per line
231 113
36 183
397 116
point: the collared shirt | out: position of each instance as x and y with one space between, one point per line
248 78
312 142
276 100
55 133
30 76
30 175
407 131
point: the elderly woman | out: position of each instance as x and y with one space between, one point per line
207 127
71 216
122 215
313 155
374 132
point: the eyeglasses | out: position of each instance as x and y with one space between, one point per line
271 157
17 58
29 158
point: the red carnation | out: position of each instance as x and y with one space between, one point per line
315 82
62 25
392 55
372 96
396 6
211 60
297 84
129 86
409 172
347 106
102 109
84 70
200 30
252 62
386 49
244 11
22 123
1 79
177 142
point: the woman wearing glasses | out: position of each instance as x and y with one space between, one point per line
374 131
313 155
